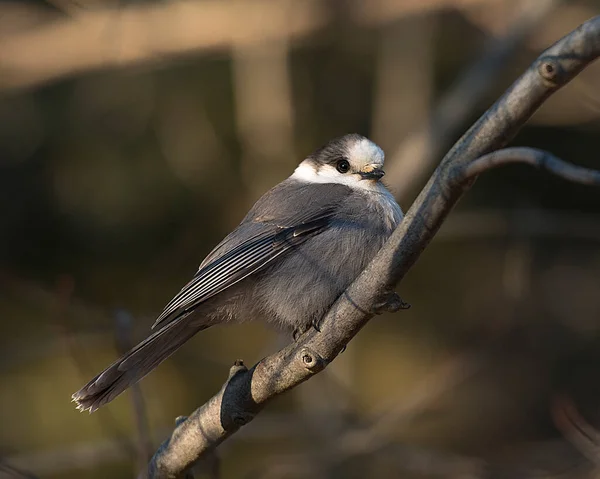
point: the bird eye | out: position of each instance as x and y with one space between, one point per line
343 166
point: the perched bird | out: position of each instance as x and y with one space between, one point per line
295 252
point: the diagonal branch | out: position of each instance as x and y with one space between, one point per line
248 390
148 33
582 435
417 155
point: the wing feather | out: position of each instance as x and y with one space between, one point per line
243 260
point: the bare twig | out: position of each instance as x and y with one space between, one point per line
378 435
445 378
406 459
124 326
82 455
7 471
247 391
417 155
62 301
576 429
534 157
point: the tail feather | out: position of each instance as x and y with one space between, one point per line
134 365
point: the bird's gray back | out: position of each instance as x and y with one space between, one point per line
298 289
285 205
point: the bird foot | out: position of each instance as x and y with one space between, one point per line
389 302
316 325
297 333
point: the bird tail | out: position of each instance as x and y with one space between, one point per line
134 365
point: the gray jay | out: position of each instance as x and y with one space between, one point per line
295 252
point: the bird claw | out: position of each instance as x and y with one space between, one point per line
315 324
390 302
296 334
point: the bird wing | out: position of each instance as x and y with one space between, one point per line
256 242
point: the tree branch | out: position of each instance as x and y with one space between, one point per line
247 391
531 156
417 155
142 34
582 435
148 34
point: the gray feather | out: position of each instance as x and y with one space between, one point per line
133 366
297 290
268 231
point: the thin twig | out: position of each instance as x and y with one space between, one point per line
63 299
417 155
9 471
124 326
535 157
576 429
378 435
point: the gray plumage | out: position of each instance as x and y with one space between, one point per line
295 252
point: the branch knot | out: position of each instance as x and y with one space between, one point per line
311 360
550 71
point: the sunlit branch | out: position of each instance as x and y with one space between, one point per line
248 390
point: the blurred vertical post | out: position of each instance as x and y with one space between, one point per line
417 155
516 281
264 110
124 337
404 78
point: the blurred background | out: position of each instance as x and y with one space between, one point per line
135 134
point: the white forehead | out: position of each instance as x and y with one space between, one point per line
365 151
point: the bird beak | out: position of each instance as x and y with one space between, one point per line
372 172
